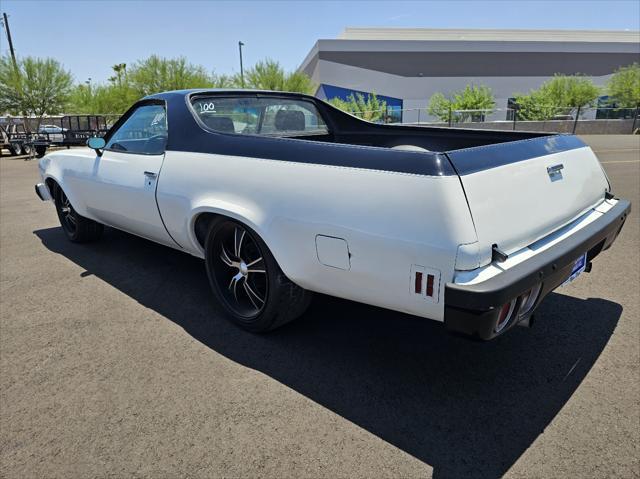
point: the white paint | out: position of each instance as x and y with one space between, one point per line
487 272
516 204
386 222
333 252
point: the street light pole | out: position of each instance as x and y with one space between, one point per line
240 45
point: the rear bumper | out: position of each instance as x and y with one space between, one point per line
43 192
473 309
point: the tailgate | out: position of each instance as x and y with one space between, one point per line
520 191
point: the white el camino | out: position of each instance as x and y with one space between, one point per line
282 194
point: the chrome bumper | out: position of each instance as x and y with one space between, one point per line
43 192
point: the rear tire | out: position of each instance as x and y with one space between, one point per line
40 151
247 281
77 228
15 149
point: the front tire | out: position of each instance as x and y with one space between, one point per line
77 228
247 281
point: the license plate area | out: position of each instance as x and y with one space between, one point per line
578 267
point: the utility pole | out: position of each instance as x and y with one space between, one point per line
13 53
240 45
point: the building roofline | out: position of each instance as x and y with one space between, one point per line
510 35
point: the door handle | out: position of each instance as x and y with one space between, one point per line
150 174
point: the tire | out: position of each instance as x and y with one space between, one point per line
26 149
15 149
40 151
77 228
247 281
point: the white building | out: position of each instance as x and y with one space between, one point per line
405 66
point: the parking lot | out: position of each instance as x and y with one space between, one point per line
114 362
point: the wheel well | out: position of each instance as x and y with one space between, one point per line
201 226
52 185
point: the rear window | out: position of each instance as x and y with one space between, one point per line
260 116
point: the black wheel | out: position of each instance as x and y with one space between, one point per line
26 149
77 228
40 151
15 149
247 281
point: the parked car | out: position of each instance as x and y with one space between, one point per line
283 195
54 133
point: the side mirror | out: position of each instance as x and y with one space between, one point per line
96 143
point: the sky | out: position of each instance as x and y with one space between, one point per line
88 37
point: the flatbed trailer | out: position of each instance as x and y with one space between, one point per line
16 139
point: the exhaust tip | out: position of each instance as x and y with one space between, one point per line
505 315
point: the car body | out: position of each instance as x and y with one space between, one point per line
50 129
470 228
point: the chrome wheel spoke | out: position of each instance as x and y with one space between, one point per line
237 242
247 290
226 259
252 294
239 256
67 214
258 266
233 285
255 261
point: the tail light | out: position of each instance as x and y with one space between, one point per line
504 316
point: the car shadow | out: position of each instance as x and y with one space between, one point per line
465 408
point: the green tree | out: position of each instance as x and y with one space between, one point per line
120 70
269 75
535 106
115 97
156 74
369 108
145 77
471 103
36 86
97 99
624 86
558 96
440 106
225 81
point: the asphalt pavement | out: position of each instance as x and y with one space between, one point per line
114 362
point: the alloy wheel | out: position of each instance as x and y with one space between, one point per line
67 213
240 270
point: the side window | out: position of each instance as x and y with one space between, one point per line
260 116
144 132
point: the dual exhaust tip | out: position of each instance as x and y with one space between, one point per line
518 309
